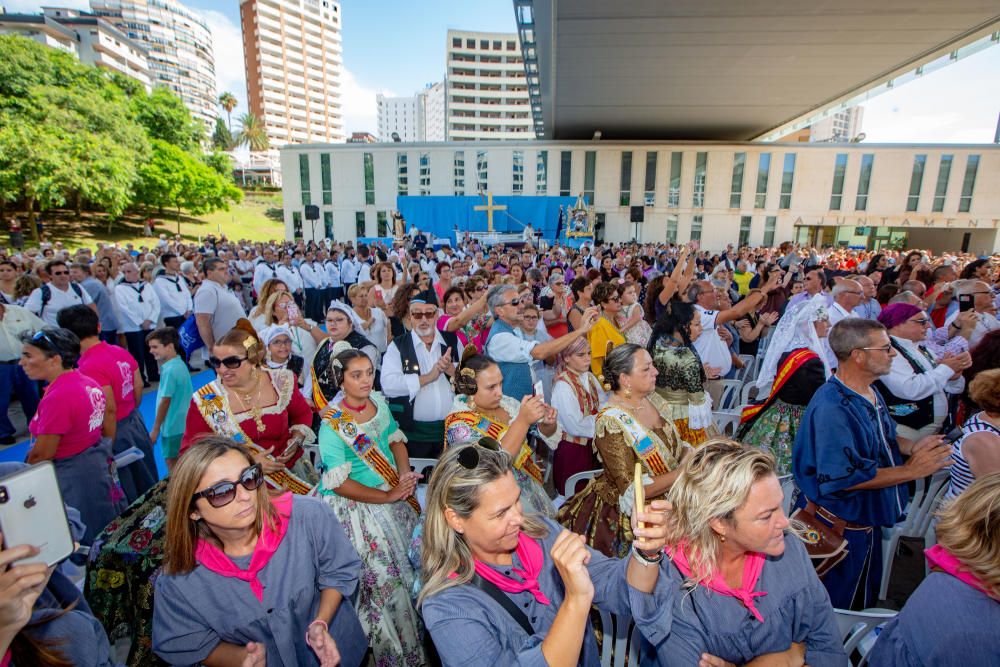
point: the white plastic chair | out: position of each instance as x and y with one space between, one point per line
730 396
917 524
727 421
751 392
857 629
746 373
421 466
574 480
620 647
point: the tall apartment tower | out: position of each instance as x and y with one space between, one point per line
179 46
417 118
432 111
487 96
294 65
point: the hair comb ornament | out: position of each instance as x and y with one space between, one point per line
468 372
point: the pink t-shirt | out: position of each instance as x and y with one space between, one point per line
79 426
112 366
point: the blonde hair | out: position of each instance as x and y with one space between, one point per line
183 532
714 482
270 286
272 302
969 528
356 288
454 486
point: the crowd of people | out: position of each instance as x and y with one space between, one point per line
292 528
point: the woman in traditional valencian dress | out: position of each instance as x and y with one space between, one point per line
342 323
631 428
482 410
795 367
576 397
367 481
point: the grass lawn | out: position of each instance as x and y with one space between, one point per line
257 217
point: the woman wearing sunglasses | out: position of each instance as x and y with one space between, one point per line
479 544
368 483
77 440
465 321
605 332
917 386
259 407
248 578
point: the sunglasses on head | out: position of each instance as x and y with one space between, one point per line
469 456
229 362
224 493
41 335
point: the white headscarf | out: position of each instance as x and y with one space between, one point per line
267 334
347 310
795 330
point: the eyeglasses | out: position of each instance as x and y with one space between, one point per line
884 348
616 299
284 342
922 321
468 458
426 315
60 273
229 362
224 493
531 317
514 302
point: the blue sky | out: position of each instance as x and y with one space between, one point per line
397 46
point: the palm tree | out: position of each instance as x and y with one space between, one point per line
228 102
252 133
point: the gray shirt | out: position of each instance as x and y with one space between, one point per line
215 300
105 307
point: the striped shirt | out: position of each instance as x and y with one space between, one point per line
961 473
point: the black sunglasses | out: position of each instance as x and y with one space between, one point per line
229 362
469 456
224 493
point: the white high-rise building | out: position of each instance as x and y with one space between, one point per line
431 107
179 46
294 64
487 90
397 115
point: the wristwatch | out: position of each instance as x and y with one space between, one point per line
645 560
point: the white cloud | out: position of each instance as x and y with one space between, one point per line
35 7
227 45
360 112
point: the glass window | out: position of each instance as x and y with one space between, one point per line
671 229
565 167
674 192
625 188
383 223
297 224
968 184
304 179
763 167
425 174
541 173
941 191
328 224
324 167
787 177
700 168
369 179
916 180
696 228
649 194
359 224
482 172
839 169
770 222
459 173
518 173
736 189
864 182
589 169
745 221
402 178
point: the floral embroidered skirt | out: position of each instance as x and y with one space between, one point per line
381 535
774 431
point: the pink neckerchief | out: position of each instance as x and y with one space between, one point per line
939 557
529 551
213 558
752 567
6 659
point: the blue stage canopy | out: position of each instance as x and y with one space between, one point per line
441 216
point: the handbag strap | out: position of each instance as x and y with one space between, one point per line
498 596
838 524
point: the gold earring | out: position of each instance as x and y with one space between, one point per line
628 392
722 538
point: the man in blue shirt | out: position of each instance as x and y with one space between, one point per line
846 460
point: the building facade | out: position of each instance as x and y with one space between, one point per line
294 65
397 115
432 110
943 197
90 38
487 92
179 47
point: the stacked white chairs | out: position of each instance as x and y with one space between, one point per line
858 630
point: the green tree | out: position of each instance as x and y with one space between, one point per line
220 162
165 117
222 138
228 102
252 133
30 160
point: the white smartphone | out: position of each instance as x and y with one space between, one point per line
32 512
538 389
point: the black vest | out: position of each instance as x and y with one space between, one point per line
401 406
914 414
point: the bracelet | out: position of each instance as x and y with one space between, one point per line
318 620
645 560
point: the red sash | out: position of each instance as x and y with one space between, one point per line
787 369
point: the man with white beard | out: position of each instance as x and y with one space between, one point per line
416 378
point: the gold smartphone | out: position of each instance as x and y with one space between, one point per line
640 492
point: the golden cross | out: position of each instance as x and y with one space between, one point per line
489 208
